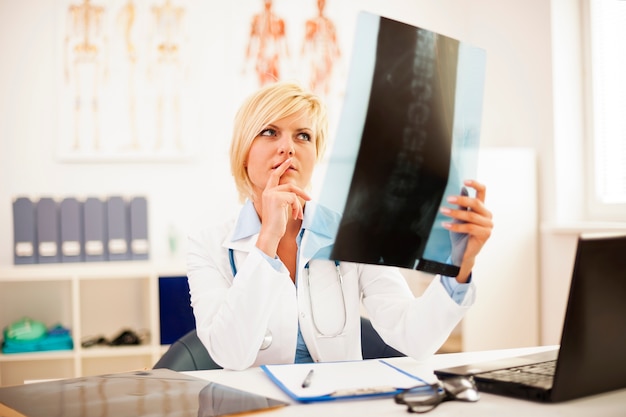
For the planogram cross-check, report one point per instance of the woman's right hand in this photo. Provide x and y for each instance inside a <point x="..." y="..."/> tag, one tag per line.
<point x="280" y="203"/>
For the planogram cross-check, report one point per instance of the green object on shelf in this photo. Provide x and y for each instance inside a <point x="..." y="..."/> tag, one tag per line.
<point x="29" y="335"/>
<point x="25" y="329"/>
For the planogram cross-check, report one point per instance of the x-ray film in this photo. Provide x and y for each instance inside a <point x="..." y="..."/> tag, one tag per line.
<point x="407" y="139"/>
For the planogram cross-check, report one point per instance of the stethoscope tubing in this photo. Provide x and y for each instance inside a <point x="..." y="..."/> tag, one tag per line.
<point x="266" y="342"/>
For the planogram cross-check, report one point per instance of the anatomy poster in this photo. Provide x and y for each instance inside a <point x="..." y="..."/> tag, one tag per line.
<point x="307" y="41"/>
<point x="137" y="78"/>
<point x="124" y="86"/>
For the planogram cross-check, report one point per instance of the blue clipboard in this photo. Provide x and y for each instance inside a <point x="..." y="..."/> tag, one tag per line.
<point x="331" y="381"/>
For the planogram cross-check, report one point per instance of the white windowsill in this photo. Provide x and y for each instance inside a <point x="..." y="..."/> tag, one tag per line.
<point x="567" y="228"/>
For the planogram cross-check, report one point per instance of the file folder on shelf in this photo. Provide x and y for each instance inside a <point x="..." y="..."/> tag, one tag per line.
<point x="327" y="381"/>
<point x="71" y="230"/>
<point x="94" y="230"/>
<point x="47" y="226"/>
<point x="117" y="229"/>
<point x="24" y="235"/>
<point x="139" y="244"/>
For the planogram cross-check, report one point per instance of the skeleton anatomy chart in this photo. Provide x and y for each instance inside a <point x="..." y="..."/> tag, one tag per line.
<point x="125" y="65"/>
<point x="84" y="61"/>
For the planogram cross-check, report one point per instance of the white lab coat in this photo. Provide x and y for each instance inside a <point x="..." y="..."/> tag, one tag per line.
<point x="233" y="316"/>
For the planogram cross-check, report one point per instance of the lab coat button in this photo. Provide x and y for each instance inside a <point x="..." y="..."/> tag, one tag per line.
<point x="267" y="340"/>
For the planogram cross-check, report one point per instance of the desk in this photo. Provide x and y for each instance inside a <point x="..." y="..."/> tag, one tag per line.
<point x="255" y="380"/>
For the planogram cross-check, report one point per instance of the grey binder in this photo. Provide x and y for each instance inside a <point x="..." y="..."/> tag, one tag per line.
<point x="117" y="229"/>
<point x="48" y="233"/>
<point x="94" y="230"/>
<point x="71" y="230"/>
<point x="24" y="249"/>
<point x="139" y="244"/>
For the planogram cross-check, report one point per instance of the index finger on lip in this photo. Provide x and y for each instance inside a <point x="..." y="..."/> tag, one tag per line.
<point x="274" y="178"/>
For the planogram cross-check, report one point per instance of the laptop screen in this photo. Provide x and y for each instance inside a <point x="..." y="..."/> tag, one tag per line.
<point x="593" y="344"/>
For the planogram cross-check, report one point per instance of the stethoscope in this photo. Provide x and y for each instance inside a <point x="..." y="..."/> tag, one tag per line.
<point x="267" y="340"/>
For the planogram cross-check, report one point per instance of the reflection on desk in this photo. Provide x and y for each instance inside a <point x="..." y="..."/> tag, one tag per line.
<point x="158" y="392"/>
<point x="254" y="380"/>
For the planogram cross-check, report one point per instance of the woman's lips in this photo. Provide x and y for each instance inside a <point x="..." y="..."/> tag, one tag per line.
<point x="291" y="167"/>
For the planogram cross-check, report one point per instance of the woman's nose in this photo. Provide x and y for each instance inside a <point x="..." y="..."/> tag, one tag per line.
<point x="286" y="146"/>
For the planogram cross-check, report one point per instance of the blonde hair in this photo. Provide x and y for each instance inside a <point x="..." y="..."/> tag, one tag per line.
<point x="267" y="105"/>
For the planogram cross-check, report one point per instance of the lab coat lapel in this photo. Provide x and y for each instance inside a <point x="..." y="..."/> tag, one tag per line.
<point x="245" y="233"/>
<point x="243" y="236"/>
<point x="244" y="245"/>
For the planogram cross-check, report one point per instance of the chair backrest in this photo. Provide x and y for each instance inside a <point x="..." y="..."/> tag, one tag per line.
<point x="189" y="354"/>
<point x="372" y="345"/>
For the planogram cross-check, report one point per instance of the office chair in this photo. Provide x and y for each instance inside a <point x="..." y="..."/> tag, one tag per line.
<point x="189" y="354"/>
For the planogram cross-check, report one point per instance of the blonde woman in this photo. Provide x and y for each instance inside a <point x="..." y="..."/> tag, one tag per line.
<point x="262" y="288"/>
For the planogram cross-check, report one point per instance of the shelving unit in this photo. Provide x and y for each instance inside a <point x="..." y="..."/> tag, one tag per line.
<point x="91" y="299"/>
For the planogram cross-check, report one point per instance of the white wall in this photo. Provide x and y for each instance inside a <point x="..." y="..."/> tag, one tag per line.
<point x="517" y="108"/>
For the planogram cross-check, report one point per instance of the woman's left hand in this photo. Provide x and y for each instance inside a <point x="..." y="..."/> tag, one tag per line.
<point x="473" y="220"/>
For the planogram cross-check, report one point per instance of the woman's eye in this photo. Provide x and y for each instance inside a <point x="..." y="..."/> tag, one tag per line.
<point x="268" y="132"/>
<point x="304" y="136"/>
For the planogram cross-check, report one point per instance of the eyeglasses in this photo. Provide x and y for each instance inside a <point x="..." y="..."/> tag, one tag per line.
<point x="423" y="399"/>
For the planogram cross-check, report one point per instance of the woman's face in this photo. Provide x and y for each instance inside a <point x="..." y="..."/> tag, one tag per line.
<point x="291" y="137"/>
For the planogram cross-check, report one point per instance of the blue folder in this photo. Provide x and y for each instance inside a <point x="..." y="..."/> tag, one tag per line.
<point x="139" y="243"/>
<point x="71" y="230"/>
<point x="24" y="249"/>
<point x="94" y="230"/>
<point x="48" y="233"/>
<point x="117" y="229"/>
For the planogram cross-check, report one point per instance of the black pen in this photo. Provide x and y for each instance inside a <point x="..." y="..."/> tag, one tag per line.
<point x="307" y="379"/>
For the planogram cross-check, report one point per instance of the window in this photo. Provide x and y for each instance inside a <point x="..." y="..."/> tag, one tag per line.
<point x="607" y="106"/>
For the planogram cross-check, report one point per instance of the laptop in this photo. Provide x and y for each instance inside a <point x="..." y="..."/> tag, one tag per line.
<point x="590" y="359"/>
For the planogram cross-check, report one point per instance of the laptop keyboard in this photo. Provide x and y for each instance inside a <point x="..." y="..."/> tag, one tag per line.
<point x="537" y="374"/>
